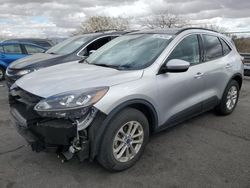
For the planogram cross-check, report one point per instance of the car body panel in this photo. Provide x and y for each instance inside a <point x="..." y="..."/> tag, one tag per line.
<point x="40" y="59"/>
<point x="81" y="76"/>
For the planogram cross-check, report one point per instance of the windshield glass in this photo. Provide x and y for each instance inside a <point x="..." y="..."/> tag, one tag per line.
<point x="68" y="46"/>
<point x="131" y="51"/>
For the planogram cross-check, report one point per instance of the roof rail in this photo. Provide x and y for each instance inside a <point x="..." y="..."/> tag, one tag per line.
<point x="189" y="28"/>
<point x="106" y="30"/>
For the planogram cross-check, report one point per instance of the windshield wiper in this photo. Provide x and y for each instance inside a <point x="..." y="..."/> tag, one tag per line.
<point x="51" y="53"/>
<point x="105" y="65"/>
<point x="124" y="67"/>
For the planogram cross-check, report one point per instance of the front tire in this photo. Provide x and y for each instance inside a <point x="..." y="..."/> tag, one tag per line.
<point x="124" y="140"/>
<point x="229" y="99"/>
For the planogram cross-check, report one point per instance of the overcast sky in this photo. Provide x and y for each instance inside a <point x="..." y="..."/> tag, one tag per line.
<point x="59" y="18"/>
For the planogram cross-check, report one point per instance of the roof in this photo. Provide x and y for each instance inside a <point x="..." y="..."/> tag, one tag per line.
<point x="104" y="33"/>
<point x="9" y="43"/>
<point x="20" y="39"/>
<point x="170" y="31"/>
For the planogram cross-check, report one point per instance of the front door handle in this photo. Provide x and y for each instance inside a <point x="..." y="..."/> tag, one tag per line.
<point x="199" y="75"/>
<point x="228" y="66"/>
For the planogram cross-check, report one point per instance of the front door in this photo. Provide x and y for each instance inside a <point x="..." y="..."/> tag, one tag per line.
<point x="181" y="94"/>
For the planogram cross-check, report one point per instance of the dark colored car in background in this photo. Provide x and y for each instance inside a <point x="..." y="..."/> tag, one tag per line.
<point x="45" y="43"/>
<point x="12" y="51"/>
<point x="72" y="49"/>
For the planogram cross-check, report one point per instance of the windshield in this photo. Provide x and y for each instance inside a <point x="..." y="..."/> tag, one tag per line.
<point x="131" y="51"/>
<point x="68" y="46"/>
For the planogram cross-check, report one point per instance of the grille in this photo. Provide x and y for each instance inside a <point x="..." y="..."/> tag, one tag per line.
<point x="24" y="103"/>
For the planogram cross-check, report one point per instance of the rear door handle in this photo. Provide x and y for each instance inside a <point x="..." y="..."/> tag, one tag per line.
<point x="199" y="75"/>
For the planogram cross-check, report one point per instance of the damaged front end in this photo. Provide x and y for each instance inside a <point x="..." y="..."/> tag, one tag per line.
<point x="59" y="123"/>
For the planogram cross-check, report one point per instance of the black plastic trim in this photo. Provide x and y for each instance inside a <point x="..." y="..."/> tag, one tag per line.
<point x="190" y="112"/>
<point x="101" y="122"/>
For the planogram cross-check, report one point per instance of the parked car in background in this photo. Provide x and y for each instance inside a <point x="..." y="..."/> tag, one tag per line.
<point x="72" y="49"/>
<point x="132" y="87"/>
<point x="45" y="43"/>
<point x="12" y="51"/>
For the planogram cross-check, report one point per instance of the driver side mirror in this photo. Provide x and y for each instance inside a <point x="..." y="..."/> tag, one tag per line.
<point x="176" y="65"/>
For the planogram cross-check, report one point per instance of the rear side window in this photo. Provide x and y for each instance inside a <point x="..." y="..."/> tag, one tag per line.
<point x="226" y="48"/>
<point x="188" y="50"/>
<point x="12" y="49"/>
<point x="33" y="49"/>
<point x="212" y="47"/>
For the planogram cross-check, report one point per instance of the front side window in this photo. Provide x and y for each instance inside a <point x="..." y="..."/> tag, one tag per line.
<point x="212" y="47"/>
<point x="187" y="50"/>
<point x="33" y="49"/>
<point x="131" y="52"/>
<point x="12" y="49"/>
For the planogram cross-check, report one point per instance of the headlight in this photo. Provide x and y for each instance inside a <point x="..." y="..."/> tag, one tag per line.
<point x="72" y="100"/>
<point x="23" y="72"/>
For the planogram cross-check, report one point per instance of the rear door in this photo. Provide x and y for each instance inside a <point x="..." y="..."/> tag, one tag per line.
<point x="11" y="53"/>
<point x="217" y="62"/>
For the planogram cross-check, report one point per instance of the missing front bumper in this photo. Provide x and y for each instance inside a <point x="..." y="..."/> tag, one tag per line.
<point x="51" y="134"/>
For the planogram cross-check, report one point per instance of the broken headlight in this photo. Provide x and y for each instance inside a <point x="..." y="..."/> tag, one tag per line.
<point x="71" y="104"/>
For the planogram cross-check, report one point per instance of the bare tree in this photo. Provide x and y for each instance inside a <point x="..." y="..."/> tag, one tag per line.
<point x="97" y="23"/>
<point x="215" y="27"/>
<point x="164" y="20"/>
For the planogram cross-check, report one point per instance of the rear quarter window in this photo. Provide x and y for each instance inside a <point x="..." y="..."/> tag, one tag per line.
<point x="225" y="47"/>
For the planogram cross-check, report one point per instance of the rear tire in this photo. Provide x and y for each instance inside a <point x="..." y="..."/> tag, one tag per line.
<point x="124" y="140"/>
<point x="229" y="99"/>
<point x="2" y="73"/>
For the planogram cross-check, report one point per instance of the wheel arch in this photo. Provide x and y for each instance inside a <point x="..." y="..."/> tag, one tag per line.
<point x="3" y="64"/>
<point x="97" y="130"/>
<point x="238" y="78"/>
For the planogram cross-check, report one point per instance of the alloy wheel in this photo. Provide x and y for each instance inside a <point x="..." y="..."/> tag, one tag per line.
<point x="232" y="96"/>
<point x="128" y="141"/>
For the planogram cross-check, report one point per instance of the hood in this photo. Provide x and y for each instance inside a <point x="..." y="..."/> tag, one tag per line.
<point x="36" y="60"/>
<point x="73" y="76"/>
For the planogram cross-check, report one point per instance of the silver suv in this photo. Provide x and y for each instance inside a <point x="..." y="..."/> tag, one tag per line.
<point x="138" y="84"/>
